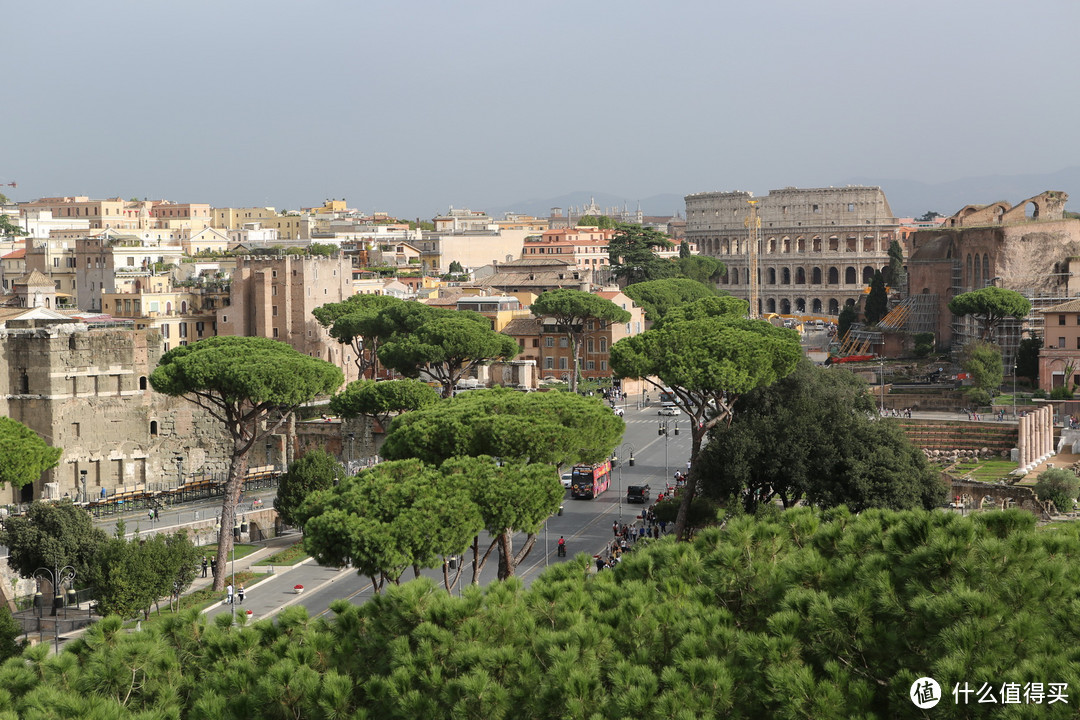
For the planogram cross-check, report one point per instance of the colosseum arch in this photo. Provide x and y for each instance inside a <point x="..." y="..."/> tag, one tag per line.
<point x="800" y="276"/>
<point x="770" y="305"/>
<point x="834" y="306"/>
<point x="785" y="276"/>
<point x="816" y="244"/>
<point x="815" y="306"/>
<point x="868" y="243"/>
<point x="834" y="276"/>
<point x="785" y="307"/>
<point x="867" y="275"/>
<point x="770" y="247"/>
<point x="850" y="276"/>
<point x="800" y="245"/>
<point x="725" y="247"/>
<point x="800" y="305"/>
<point x="834" y="244"/>
<point x="785" y="245"/>
<point x="815" y="276"/>
<point x="770" y="276"/>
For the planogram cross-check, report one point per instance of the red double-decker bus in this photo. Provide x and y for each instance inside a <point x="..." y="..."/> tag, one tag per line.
<point x="588" y="481"/>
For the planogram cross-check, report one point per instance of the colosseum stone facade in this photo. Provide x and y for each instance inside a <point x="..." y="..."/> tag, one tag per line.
<point x="818" y="248"/>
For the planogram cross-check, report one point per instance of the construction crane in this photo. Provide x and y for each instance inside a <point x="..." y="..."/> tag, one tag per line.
<point x="753" y="223"/>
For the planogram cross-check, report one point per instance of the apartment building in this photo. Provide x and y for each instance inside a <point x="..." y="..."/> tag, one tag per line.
<point x="273" y="297"/>
<point x="179" y="314"/>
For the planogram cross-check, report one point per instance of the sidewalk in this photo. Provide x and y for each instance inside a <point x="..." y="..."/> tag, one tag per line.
<point x="270" y="595"/>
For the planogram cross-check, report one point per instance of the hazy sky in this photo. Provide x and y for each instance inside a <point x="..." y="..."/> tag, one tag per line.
<point x="410" y="107"/>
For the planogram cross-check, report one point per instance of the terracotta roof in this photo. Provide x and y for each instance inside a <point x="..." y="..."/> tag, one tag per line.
<point x="1065" y="307"/>
<point x="523" y="326"/>
<point x="35" y="279"/>
<point x="15" y="255"/>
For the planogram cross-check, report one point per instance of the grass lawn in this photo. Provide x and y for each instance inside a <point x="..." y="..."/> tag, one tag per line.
<point x="200" y="599"/>
<point x="990" y="470"/>
<point x="289" y="556"/>
<point x="241" y="550"/>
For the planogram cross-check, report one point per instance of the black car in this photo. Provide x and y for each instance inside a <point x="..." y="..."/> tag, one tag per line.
<point x="637" y="494"/>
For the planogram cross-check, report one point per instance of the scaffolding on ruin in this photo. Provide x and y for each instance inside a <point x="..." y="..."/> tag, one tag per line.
<point x="914" y="314"/>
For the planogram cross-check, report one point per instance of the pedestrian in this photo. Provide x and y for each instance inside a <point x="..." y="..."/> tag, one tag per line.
<point x="599" y="563"/>
<point x="656" y="532"/>
<point x="204" y="566"/>
<point x="687" y="466"/>
<point x="240" y="594"/>
<point x="229" y="594"/>
<point x="213" y="567"/>
<point x="663" y="526"/>
<point x="615" y="528"/>
<point x="150" y="515"/>
<point x="157" y="513"/>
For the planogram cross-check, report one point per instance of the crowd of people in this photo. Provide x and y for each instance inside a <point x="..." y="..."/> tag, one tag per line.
<point x="626" y="536"/>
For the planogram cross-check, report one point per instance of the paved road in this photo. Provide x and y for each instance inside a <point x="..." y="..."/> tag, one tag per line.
<point x="586" y="525"/>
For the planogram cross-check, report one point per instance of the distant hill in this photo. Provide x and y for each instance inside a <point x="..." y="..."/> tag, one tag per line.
<point x="908" y="198"/>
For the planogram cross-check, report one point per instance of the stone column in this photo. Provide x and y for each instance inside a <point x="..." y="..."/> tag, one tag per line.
<point x="1025" y="441"/>
<point x="1050" y="450"/>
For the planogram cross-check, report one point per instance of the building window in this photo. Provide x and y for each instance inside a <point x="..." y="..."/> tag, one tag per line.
<point x="603" y="364"/>
<point x="603" y="345"/>
<point x="153" y="427"/>
<point x="589" y="344"/>
<point x="273" y="310"/>
<point x="549" y="342"/>
<point x="275" y="332"/>
<point x="549" y="363"/>
<point x="1061" y="342"/>
<point x="536" y="341"/>
<point x="562" y="363"/>
<point x="1061" y="319"/>
<point x="564" y="342"/>
<point x="590" y="365"/>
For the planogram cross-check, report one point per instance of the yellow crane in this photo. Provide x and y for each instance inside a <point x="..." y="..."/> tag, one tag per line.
<point x="753" y="223"/>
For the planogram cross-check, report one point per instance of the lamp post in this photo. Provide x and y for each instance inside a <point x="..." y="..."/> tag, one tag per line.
<point x="179" y="470"/>
<point x="881" y="382"/>
<point x="624" y="449"/>
<point x="86" y="498"/>
<point x="1015" y="367"/>
<point x="663" y="430"/>
<point x="57" y="577"/>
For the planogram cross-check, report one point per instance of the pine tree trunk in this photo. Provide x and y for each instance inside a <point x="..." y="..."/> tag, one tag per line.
<point x="233" y="487"/>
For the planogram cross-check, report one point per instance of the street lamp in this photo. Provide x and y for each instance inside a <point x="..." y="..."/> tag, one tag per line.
<point x="86" y="498"/>
<point x="881" y="382"/>
<point x="624" y="449"/>
<point x="663" y="430"/>
<point x="57" y="577"/>
<point x="179" y="470"/>
<point x="1016" y="366"/>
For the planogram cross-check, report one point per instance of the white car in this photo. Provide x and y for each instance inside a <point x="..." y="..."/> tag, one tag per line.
<point x="566" y="478"/>
<point x="669" y="410"/>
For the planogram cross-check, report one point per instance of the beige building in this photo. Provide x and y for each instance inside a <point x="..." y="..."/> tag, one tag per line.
<point x="102" y="261"/>
<point x="176" y="315"/>
<point x="273" y="297"/>
<point x="85" y="389"/>
<point x="817" y="248"/>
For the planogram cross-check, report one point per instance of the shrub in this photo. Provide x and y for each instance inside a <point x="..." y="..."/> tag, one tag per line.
<point x="1061" y="393"/>
<point x="1039" y="393"/>
<point x="1059" y="486"/>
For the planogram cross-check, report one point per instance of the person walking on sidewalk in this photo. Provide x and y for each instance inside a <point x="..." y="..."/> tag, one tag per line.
<point x="229" y="594"/>
<point x="240" y="594"/>
<point x="204" y="566"/>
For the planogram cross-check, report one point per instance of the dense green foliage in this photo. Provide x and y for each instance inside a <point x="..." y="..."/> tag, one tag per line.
<point x="813" y="436"/>
<point x="23" y="454"/>
<point x="455" y="268"/>
<point x="573" y="312"/>
<point x="10" y="228"/>
<point x="990" y="305"/>
<point x="703" y="268"/>
<point x="445" y="347"/>
<point x="51" y="535"/>
<point x="708" y="361"/>
<point x="877" y="301"/>
<point x="631" y="253"/>
<point x="355" y="322"/>
<point x="597" y="221"/>
<point x="658" y="297"/>
<point x="381" y="400"/>
<point x="923" y="344"/>
<point x="10" y="630"/>
<point x="848" y="315"/>
<point x="252" y="386"/>
<point x="897" y="275"/>
<point x="807" y="614"/>
<point x="316" y="470"/>
<point x="982" y="361"/>
<point x="1027" y="358"/>
<point x="129" y="576"/>
<point x="1058" y="485"/>
<point x="553" y="427"/>
<point x="393" y="516"/>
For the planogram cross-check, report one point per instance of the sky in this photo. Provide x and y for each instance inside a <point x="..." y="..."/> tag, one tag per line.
<point x="413" y="106"/>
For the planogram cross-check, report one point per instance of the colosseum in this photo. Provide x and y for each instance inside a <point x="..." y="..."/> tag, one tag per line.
<point x="818" y="248"/>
